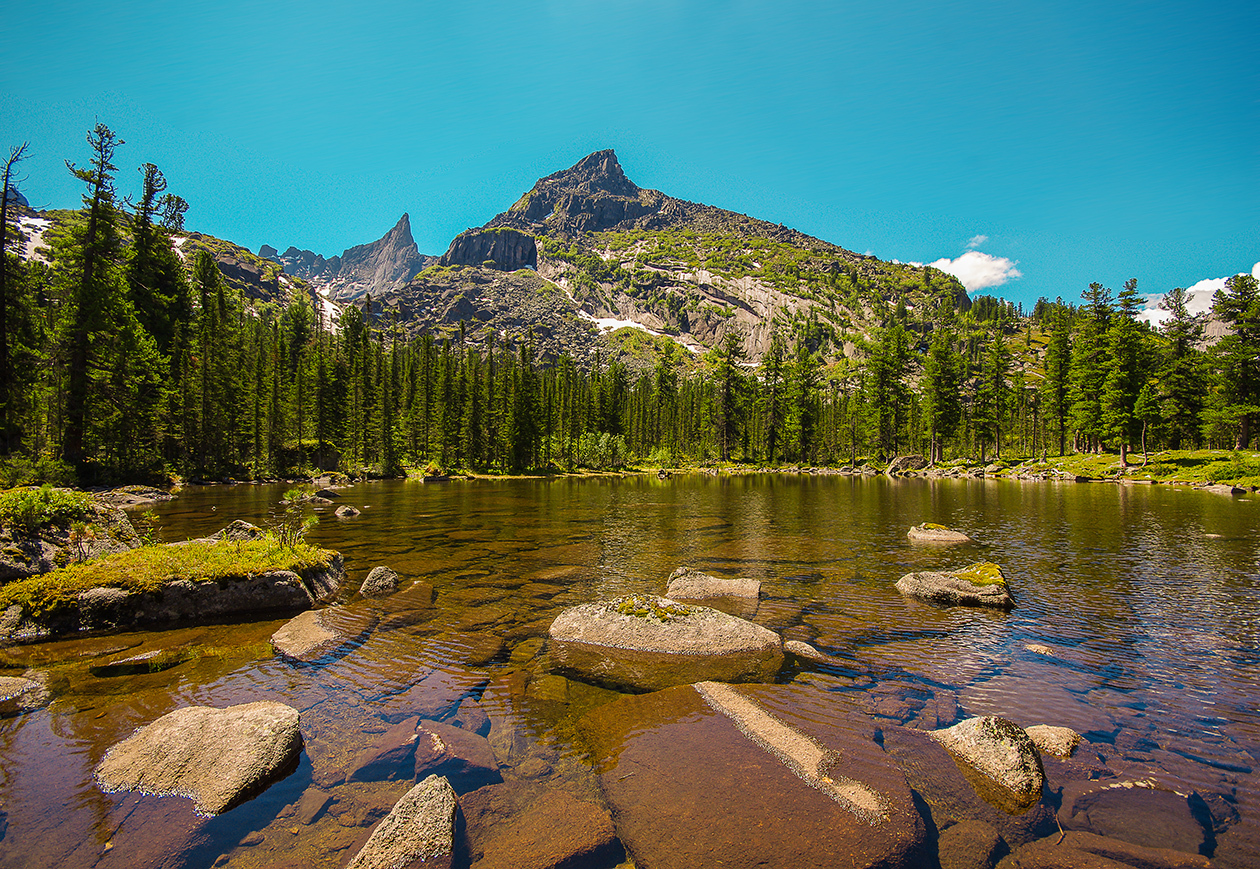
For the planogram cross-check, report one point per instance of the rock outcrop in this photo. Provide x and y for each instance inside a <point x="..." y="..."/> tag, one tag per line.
<point x="499" y="247"/>
<point x="419" y="830"/>
<point x="982" y="584"/>
<point x="216" y="757"/>
<point x="644" y="643"/>
<point x="1001" y="751"/>
<point x="28" y="552"/>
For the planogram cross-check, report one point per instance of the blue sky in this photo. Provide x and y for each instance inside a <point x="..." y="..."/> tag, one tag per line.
<point x="1068" y="142"/>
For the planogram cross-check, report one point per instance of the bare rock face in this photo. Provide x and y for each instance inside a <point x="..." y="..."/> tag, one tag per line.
<point x="1002" y="752"/>
<point x="930" y="532"/>
<point x="499" y="247"/>
<point x="1059" y="741"/>
<point x="18" y="695"/>
<point x="419" y="830"/>
<point x="981" y="584"/>
<point x="645" y="643"/>
<point x="519" y="825"/>
<point x="216" y="757"/>
<point x="381" y="582"/>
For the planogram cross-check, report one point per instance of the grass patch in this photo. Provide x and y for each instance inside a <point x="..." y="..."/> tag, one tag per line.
<point x="148" y="568"/>
<point x="982" y="573"/>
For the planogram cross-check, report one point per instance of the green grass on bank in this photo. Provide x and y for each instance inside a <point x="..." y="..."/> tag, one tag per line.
<point x="1233" y="467"/>
<point x="150" y="567"/>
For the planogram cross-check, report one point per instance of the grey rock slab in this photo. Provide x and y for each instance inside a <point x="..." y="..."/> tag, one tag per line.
<point x="216" y="757"/>
<point x="686" y="583"/>
<point x="1001" y="751"/>
<point x="19" y="694"/>
<point x="956" y="588"/>
<point x="309" y="635"/>
<point x="930" y="533"/>
<point x="644" y="643"/>
<point x="419" y="830"/>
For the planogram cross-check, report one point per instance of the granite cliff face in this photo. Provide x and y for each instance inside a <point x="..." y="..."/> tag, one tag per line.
<point x="373" y="268"/>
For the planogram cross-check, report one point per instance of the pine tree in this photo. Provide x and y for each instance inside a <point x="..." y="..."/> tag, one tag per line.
<point x="942" y="392"/>
<point x="1236" y="399"/>
<point x="1056" y="387"/>
<point x="772" y="395"/>
<point x="1125" y="371"/>
<point x="1183" y="376"/>
<point x="1088" y="372"/>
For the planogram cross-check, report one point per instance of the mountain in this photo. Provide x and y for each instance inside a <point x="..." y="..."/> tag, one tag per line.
<point x="586" y="248"/>
<point x="385" y="264"/>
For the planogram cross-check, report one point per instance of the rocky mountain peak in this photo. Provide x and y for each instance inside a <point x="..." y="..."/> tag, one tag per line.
<point x="592" y="195"/>
<point x="595" y="173"/>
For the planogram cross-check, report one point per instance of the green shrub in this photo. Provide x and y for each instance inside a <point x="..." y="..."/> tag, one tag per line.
<point x="30" y="509"/>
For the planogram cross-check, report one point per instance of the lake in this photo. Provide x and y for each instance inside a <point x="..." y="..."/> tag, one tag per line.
<point x="1137" y="623"/>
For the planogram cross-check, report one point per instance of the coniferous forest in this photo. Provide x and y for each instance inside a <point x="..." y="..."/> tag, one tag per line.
<point x="123" y="360"/>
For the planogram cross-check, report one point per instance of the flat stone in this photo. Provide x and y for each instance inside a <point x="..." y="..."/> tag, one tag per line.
<point x="806" y="652"/>
<point x="216" y="757"/>
<point x="644" y="643"/>
<point x="930" y="533"/>
<point x="956" y="588"/>
<point x="419" y="829"/>
<point x="1077" y="850"/>
<point x="750" y="775"/>
<point x="1059" y="741"/>
<point x="18" y="695"/>
<point x="520" y="825"/>
<point x="381" y="582"/>
<point x="1001" y="751"/>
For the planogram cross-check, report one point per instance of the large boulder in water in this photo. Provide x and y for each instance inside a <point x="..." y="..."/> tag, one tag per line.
<point x="980" y="584"/>
<point x="645" y="643"/>
<point x="751" y="775"/>
<point x="1002" y="752"/>
<point x="18" y="695"/>
<point x="216" y="757"/>
<point x="906" y="465"/>
<point x="686" y="583"/>
<point x="419" y="830"/>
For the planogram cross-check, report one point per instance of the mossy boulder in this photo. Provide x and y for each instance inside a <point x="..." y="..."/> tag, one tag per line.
<point x="981" y="584"/>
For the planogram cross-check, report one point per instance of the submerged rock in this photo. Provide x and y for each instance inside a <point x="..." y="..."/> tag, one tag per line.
<point x="1138" y="812"/>
<point x="980" y="584"/>
<point x="465" y="759"/>
<point x="420" y="829"/>
<point x="750" y="775"/>
<point x="1001" y="751"/>
<point x="519" y="825"/>
<point x="1088" y="851"/>
<point x="18" y="695"/>
<point x="930" y="532"/>
<point x="644" y="643"/>
<point x="216" y="757"/>
<point x="345" y="511"/>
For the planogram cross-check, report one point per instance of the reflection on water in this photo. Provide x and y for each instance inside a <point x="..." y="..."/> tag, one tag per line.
<point x="1133" y="625"/>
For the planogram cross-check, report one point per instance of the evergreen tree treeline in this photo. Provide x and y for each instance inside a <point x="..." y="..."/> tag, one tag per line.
<point x="118" y="360"/>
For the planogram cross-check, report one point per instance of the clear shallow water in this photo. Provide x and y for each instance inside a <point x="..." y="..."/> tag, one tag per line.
<point x="1146" y="599"/>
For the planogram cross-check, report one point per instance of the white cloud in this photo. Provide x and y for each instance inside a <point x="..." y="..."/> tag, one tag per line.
<point x="1200" y="298"/>
<point x="976" y="241"/>
<point x="979" y="271"/>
